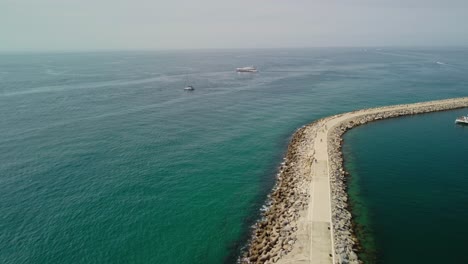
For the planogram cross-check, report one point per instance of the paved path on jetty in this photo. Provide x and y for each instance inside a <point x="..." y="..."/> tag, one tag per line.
<point x="314" y="243"/>
<point x="314" y="240"/>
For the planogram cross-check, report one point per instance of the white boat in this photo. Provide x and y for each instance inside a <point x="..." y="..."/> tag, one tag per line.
<point x="187" y="86"/>
<point x="462" y="120"/>
<point x="247" y="69"/>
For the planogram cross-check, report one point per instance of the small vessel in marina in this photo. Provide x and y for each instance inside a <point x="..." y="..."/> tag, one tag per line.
<point x="462" y="120"/>
<point x="247" y="69"/>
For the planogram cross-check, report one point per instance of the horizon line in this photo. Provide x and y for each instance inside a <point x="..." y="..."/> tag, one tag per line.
<point x="98" y="50"/>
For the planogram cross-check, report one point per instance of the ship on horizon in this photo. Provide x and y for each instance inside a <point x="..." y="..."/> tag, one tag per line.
<point x="247" y="69"/>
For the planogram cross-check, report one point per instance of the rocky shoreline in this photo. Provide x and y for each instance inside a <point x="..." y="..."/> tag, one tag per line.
<point x="275" y="234"/>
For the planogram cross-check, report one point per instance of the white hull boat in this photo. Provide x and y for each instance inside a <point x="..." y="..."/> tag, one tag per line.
<point x="462" y="120"/>
<point x="247" y="69"/>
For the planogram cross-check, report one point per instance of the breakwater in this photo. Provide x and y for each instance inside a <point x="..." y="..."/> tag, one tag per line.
<point x="292" y="229"/>
<point x="275" y="233"/>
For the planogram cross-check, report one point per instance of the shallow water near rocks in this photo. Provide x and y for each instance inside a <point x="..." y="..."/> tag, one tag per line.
<point x="106" y="159"/>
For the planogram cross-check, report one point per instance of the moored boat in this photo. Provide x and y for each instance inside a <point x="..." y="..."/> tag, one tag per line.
<point x="462" y="120"/>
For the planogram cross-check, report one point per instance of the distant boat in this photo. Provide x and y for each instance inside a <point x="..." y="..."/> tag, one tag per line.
<point x="462" y="120"/>
<point x="188" y="87"/>
<point x="247" y="69"/>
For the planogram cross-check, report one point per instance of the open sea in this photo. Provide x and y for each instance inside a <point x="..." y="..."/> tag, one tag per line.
<point x="104" y="158"/>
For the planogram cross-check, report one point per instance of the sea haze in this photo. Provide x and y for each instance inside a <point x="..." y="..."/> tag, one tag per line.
<point x="106" y="159"/>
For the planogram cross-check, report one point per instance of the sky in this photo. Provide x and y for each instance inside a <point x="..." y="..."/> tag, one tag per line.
<point x="69" y="25"/>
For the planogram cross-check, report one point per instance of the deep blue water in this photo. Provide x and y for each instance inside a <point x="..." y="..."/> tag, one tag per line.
<point x="105" y="159"/>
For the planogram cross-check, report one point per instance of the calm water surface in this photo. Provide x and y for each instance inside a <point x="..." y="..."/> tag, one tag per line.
<point x="105" y="159"/>
<point x="409" y="188"/>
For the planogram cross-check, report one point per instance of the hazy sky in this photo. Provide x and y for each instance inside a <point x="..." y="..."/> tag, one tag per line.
<point x="174" y="24"/>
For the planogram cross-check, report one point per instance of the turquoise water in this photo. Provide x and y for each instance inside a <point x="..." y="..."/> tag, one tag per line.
<point x="409" y="175"/>
<point x="105" y="159"/>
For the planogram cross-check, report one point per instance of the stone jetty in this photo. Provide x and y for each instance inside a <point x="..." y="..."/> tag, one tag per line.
<point x="306" y="217"/>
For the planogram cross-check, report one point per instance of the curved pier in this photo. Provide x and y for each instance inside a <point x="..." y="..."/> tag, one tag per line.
<point x="307" y="220"/>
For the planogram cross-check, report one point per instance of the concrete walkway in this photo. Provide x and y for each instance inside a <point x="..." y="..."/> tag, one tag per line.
<point x="314" y="240"/>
